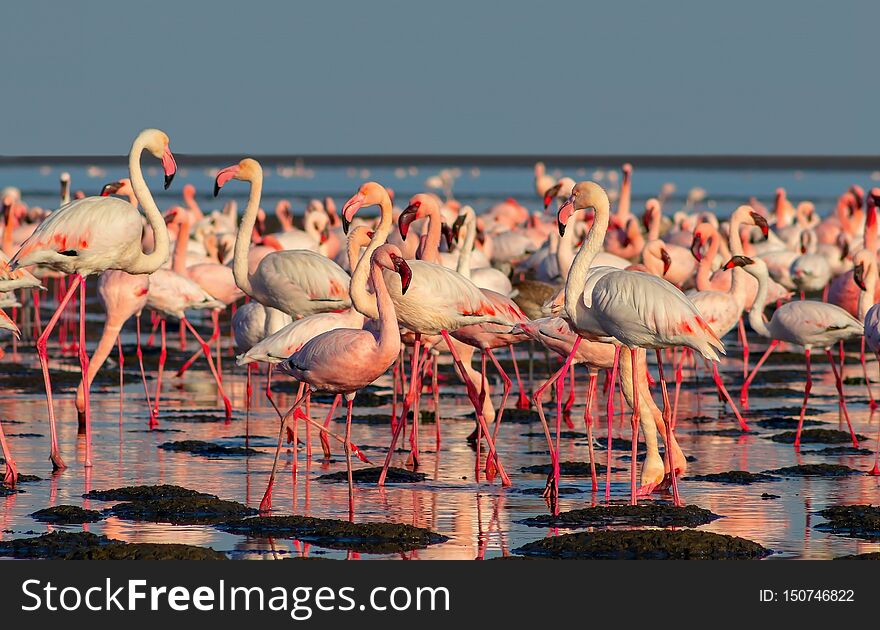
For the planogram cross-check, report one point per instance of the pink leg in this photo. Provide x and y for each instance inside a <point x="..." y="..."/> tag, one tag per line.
<point x="723" y="391"/>
<point x="635" y="427"/>
<point x="842" y="398"/>
<point x="809" y="386"/>
<point x="744" y="339"/>
<point x="569" y="401"/>
<point x="523" y="401"/>
<point x="436" y="394"/>
<point x="248" y="391"/>
<point x="873" y="402"/>
<point x="673" y="476"/>
<point x="744" y="395"/>
<point x="266" y="503"/>
<point x="610" y="412"/>
<point x="207" y="351"/>
<point x="413" y="382"/>
<point x="472" y="394"/>
<point x="163" y="355"/>
<point x="350" y="399"/>
<point x="588" y="422"/>
<point x="84" y="366"/>
<point x="11" y="475"/>
<point x="182" y="335"/>
<point x="269" y="391"/>
<point x="325" y="443"/>
<point x="507" y="384"/>
<point x="154" y="320"/>
<point x="678" y="378"/>
<point x="140" y="358"/>
<point x="55" y="456"/>
<point x="38" y="320"/>
<point x="121" y="384"/>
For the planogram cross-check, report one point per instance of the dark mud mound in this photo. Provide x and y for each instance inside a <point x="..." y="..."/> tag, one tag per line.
<point x="563" y="490"/>
<point x="874" y="555"/>
<point x="814" y="470"/>
<point x="739" y="477"/>
<point x="207" y="449"/>
<point x="371" y="475"/>
<point x="732" y="432"/>
<point x="790" y="410"/>
<point x="364" y="398"/>
<point x="25" y="435"/>
<point x="816" y="436"/>
<point x="368" y="418"/>
<point x="198" y="418"/>
<point x="564" y="435"/>
<point x="784" y="422"/>
<point x="336" y="534"/>
<point x="567" y="469"/>
<point x="839" y="450"/>
<point x="51" y="545"/>
<point x="859" y="521"/>
<point x="28" y="478"/>
<point x="651" y="514"/>
<point x="197" y="510"/>
<point x="66" y="515"/>
<point x="6" y="491"/>
<point x="766" y="496"/>
<point x="646" y="545"/>
<point x="145" y="551"/>
<point x="762" y="393"/>
<point x="143" y="493"/>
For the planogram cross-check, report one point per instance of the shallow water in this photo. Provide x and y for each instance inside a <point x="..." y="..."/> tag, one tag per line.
<point x="481" y="519"/>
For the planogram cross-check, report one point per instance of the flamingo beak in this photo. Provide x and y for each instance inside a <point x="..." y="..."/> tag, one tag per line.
<point x="738" y="261"/>
<point x="549" y="194"/>
<point x="448" y="236"/>
<point x="565" y="211"/>
<point x="646" y="218"/>
<point x="325" y="234"/>
<point x="170" y="216"/>
<point x="350" y="208"/>
<point x="224" y="176"/>
<point x="406" y="217"/>
<point x="169" y="166"/>
<point x="110" y="189"/>
<point x="7" y="324"/>
<point x="405" y="272"/>
<point x="761" y="222"/>
<point x="696" y="245"/>
<point x="456" y="228"/>
<point x="859" y="276"/>
<point x="667" y="260"/>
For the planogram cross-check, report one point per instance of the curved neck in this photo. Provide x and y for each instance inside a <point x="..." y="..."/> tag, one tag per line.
<point x="565" y="247"/>
<point x="245" y="233"/>
<point x="178" y="261"/>
<point x="389" y="330"/>
<point x="464" y="256"/>
<point x="623" y="204"/>
<point x="704" y="268"/>
<point x="147" y="263"/>
<point x="580" y="267"/>
<point x="361" y="298"/>
<point x="431" y="250"/>
<point x="756" y="315"/>
<point x="654" y="229"/>
<point x="866" y="297"/>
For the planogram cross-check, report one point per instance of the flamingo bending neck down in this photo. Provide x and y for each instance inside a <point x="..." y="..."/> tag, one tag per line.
<point x="89" y="236"/>
<point x="344" y="360"/>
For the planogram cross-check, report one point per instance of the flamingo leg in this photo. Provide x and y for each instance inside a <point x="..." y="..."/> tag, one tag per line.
<point x="38" y="320"/>
<point x="809" y="386"/>
<point x="873" y="402"/>
<point x="266" y="503"/>
<point x="182" y="335"/>
<point x="11" y="474"/>
<point x="507" y="386"/>
<point x="472" y="394"/>
<point x="670" y="426"/>
<point x="876" y="469"/>
<point x="350" y="401"/>
<point x="394" y="370"/>
<point x="436" y="394"/>
<point x="163" y="355"/>
<point x="405" y="409"/>
<point x="523" y="401"/>
<point x="744" y="394"/>
<point x="569" y="401"/>
<point x="679" y="367"/>
<point x="248" y="391"/>
<point x="635" y="427"/>
<point x="55" y="456"/>
<point x="610" y="412"/>
<point x="719" y="384"/>
<point x="588" y="422"/>
<point x="140" y="357"/>
<point x="414" y="456"/>
<point x="841" y="397"/>
<point x="121" y="384"/>
<point x="325" y="443"/>
<point x="269" y="391"/>
<point x="154" y="320"/>
<point x="84" y="366"/>
<point x="537" y="398"/>
<point x="207" y="350"/>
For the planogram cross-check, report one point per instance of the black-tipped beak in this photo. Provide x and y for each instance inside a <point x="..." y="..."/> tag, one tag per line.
<point x="216" y="188"/>
<point x="738" y="261"/>
<point x="447" y="235"/>
<point x="696" y="245"/>
<point x="346" y="224"/>
<point x="168" y="180"/>
<point x="761" y="222"/>
<point x="667" y="260"/>
<point x="456" y="228"/>
<point x="405" y="219"/>
<point x="859" y="276"/>
<point x="405" y="272"/>
<point x="550" y="193"/>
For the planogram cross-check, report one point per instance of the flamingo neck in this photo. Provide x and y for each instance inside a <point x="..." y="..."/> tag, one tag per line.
<point x="102" y="351"/>
<point x="565" y="248"/>
<point x="580" y="267"/>
<point x="389" y="329"/>
<point x="464" y="258"/>
<point x="654" y="230"/>
<point x="431" y="250"/>
<point x="623" y="204"/>
<point x="178" y="260"/>
<point x="866" y="297"/>
<point x="245" y="233"/>
<point x="147" y="263"/>
<point x="361" y="298"/>
<point x="756" y="315"/>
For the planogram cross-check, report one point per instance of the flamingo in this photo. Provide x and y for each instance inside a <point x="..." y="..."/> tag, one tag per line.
<point x="805" y="323"/>
<point x="867" y="279"/>
<point x="627" y="308"/>
<point x="439" y="301"/>
<point x="92" y="235"/>
<point x="344" y="360"/>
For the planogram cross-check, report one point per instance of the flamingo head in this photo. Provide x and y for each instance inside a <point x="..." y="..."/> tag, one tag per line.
<point x="7" y="324"/>
<point x="389" y="257"/>
<point x="370" y="194"/>
<point x="859" y="276"/>
<point x="157" y="144"/>
<point x="248" y="170"/>
<point x="409" y="214"/>
<point x="667" y="260"/>
<point x="651" y="206"/>
<point x="627" y="169"/>
<point x="550" y="193"/>
<point x="697" y="245"/>
<point x="583" y="196"/>
<point x="738" y="261"/>
<point x="456" y="228"/>
<point x="859" y="194"/>
<point x="761" y="222"/>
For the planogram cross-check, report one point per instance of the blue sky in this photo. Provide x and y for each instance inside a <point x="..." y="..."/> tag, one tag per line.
<point x="450" y="76"/>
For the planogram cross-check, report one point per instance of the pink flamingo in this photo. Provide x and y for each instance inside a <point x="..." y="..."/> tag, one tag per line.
<point x="344" y="360"/>
<point x="89" y="236"/>
<point x="627" y="308"/>
<point x="805" y="323"/>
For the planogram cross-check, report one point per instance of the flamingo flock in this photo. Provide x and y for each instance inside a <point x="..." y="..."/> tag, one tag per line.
<point x="352" y="299"/>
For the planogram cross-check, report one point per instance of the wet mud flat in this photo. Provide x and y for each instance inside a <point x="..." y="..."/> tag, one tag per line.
<point x="859" y="521"/>
<point x="650" y="514"/>
<point x="371" y="475"/>
<point x="63" y="545"/>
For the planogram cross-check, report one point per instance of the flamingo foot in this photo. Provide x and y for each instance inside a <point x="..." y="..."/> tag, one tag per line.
<point x="875" y="471"/>
<point x="358" y="453"/>
<point x="11" y="475"/>
<point x="522" y="402"/>
<point x="874" y="405"/>
<point x="325" y="445"/>
<point x="57" y="462"/>
<point x="647" y="489"/>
